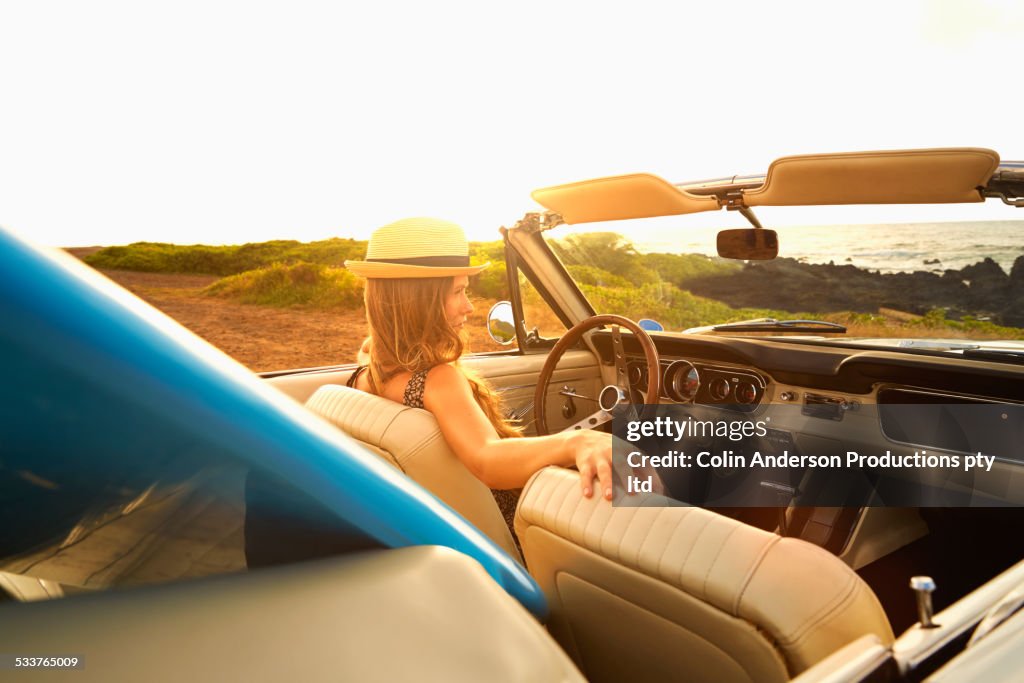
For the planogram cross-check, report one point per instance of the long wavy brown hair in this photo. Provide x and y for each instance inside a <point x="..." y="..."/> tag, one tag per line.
<point x="410" y="332"/>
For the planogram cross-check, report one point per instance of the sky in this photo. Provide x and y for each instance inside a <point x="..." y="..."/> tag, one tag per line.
<point x="227" y="122"/>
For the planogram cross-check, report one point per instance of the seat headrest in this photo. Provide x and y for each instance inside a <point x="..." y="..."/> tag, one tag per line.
<point x="400" y="430"/>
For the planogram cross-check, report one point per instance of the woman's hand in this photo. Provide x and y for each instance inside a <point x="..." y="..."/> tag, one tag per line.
<point x="593" y="455"/>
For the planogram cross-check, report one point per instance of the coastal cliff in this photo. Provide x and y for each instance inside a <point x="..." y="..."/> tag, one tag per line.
<point x="982" y="290"/>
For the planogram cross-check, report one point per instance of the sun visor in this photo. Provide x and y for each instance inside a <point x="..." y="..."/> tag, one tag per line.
<point x="923" y="176"/>
<point x="640" y="195"/>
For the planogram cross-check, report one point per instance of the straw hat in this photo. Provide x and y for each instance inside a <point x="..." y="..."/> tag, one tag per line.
<point x="416" y="247"/>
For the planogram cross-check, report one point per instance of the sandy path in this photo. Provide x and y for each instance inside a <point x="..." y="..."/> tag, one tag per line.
<point x="261" y="337"/>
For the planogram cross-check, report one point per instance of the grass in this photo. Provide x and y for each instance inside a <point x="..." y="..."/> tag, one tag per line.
<point x="297" y="284"/>
<point x="968" y="326"/>
<point x="609" y="270"/>
<point x="158" y="257"/>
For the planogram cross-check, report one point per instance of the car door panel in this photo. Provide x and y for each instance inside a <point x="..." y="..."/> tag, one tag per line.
<point x="514" y="376"/>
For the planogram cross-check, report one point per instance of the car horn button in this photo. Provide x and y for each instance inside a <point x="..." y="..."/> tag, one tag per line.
<point x="610" y="397"/>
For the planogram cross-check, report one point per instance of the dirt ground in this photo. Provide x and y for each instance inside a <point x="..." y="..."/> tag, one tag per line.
<point x="261" y="337"/>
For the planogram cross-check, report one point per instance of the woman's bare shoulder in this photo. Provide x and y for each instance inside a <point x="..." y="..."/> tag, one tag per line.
<point x="445" y="383"/>
<point x="445" y="374"/>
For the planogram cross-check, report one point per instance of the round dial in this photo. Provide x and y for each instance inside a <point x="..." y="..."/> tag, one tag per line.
<point x="682" y="381"/>
<point x="719" y="389"/>
<point x="746" y="393"/>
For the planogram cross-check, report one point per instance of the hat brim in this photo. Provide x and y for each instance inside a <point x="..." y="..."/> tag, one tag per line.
<point x="377" y="269"/>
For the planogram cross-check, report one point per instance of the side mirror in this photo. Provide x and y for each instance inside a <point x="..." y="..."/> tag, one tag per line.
<point x="501" y="323"/>
<point x="755" y="244"/>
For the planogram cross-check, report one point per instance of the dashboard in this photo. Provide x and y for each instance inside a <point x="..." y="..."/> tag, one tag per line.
<point x="846" y="370"/>
<point x="829" y="400"/>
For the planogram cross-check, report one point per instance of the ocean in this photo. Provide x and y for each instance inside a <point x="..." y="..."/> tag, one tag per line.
<point x="888" y="248"/>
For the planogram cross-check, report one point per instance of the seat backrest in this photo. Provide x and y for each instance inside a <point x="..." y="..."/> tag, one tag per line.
<point x="667" y="593"/>
<point x="410" y="439"/>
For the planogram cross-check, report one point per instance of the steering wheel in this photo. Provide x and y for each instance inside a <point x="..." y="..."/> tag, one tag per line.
<point x="613" y="394"/>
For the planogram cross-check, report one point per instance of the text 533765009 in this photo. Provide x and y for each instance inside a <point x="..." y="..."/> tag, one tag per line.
<point x="18" y="661"/>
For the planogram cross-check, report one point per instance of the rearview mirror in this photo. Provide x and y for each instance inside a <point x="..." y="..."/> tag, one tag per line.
<point x="755" y="244"/>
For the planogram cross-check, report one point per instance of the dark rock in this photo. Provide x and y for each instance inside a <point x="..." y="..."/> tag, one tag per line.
<point x="985" y="274"/>
<point x="819" y="288"/>
<point x="1017" y="274"/>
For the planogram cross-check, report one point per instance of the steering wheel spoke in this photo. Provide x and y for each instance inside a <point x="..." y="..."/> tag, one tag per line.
<point x="619" y="355"/>
<point x="594" y="420"/>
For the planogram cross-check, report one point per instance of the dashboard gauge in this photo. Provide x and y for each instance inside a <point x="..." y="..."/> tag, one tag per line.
<point x="746" y="393"/>
<point x="638" y="375"/>
<point x="682" y="381"/>
<point x="719" y="389"/>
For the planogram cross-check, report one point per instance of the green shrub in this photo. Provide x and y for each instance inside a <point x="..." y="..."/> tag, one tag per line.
<point x="674" y="308"/>
<point x="482" y="252"/>
<point x="159" y="257"/>
<point x="607" y="251"/>
<point x="614" y="254"/>
<point x="490" y="283"/>
<point x="678" y="268"/>
<point x="935" y="319"/>
<point x="592" y="275"/>
<point x="296" y="284"/>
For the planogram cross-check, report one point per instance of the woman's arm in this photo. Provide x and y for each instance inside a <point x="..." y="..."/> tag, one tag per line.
<point x="509" y="463"/>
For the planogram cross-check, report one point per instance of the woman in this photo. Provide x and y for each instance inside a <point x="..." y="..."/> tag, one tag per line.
<point x="417" y="304"/>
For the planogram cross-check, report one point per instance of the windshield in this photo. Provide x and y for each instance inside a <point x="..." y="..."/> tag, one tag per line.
<point x="924" y="279"/>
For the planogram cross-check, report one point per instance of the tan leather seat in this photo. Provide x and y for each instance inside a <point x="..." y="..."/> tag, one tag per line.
<point x="410" y="439"/>
<point x="681" y="593"/>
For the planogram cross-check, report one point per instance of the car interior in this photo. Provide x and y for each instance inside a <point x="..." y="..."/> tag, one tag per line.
<point x="843" y="572"/>
<point x="672" y="588"/>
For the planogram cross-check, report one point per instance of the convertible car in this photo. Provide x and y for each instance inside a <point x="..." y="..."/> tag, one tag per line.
<point x="169" y="514"/>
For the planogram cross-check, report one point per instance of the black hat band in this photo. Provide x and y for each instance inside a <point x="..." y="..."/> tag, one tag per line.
<point x="435" y="261"/>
